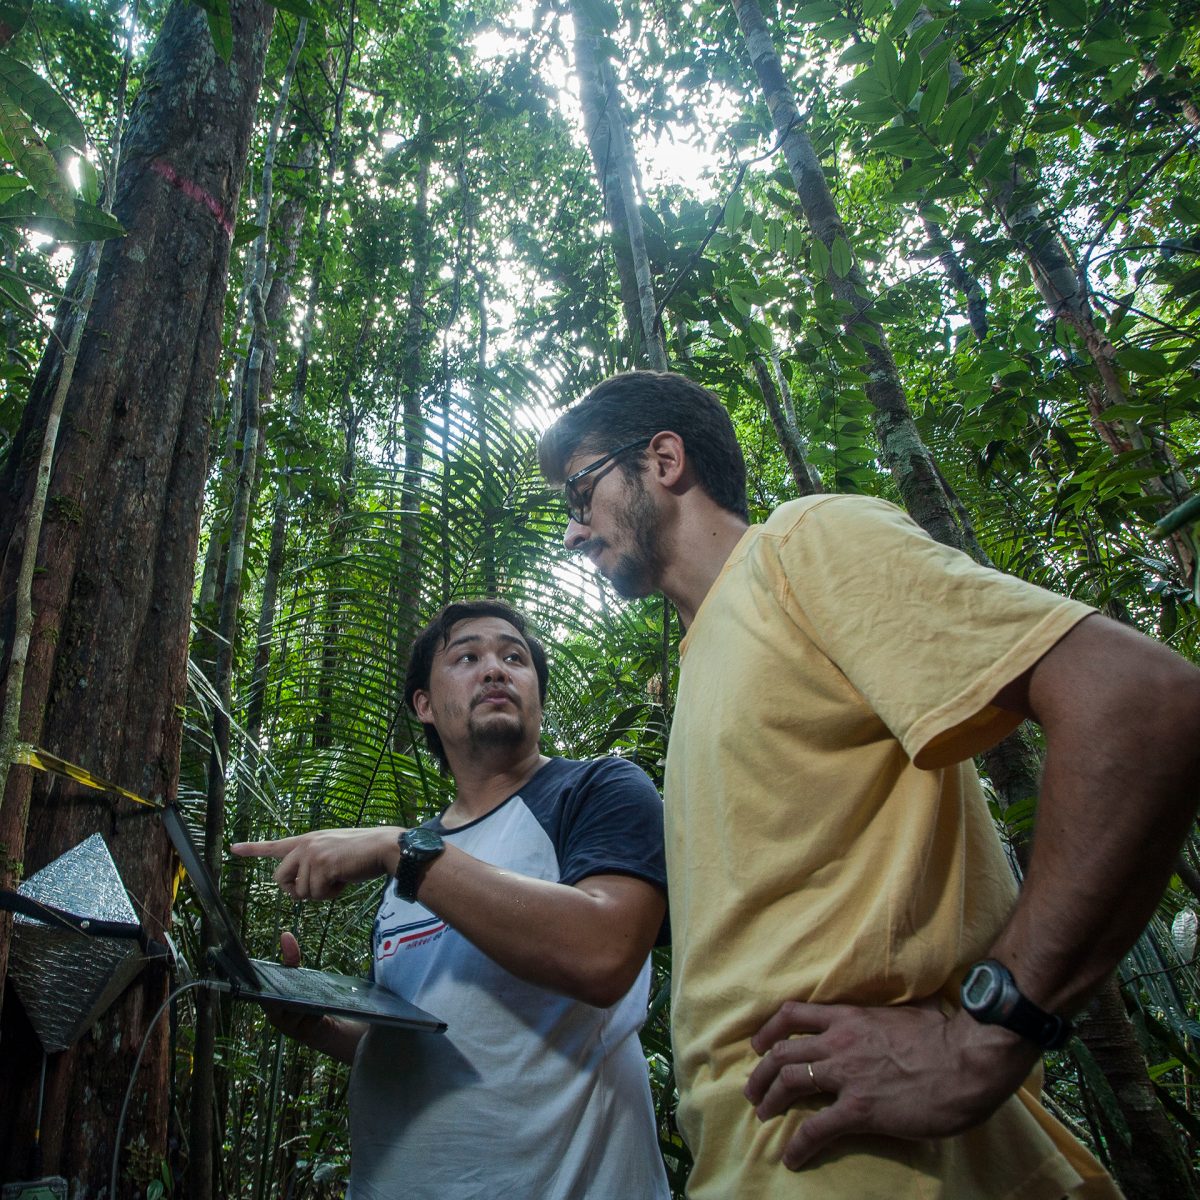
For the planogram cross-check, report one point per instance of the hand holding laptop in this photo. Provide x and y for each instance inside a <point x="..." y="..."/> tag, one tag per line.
<point x="335" y="1036"/>
<point x="321" y="864"/>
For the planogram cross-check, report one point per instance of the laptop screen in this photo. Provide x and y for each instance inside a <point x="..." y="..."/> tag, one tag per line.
<point x="234" y="957"/>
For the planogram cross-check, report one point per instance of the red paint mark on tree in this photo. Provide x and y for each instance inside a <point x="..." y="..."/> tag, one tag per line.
<point x="195" y="192"/>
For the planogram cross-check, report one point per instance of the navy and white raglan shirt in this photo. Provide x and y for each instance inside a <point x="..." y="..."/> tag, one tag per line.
<point x="528" y="1095"/>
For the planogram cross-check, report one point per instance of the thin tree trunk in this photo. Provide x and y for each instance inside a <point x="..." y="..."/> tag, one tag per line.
<point x="600" y="122"/>
<point x="900" y="443"/>
<point x="489" y="487"/>
<point x="1063" y="286"/>
<point x="107" y="666"/>
<point x="960" y="278"/>
<point x="613" y="158"/>
<point x="806" y="479"/>
<point x="407" y="585"/>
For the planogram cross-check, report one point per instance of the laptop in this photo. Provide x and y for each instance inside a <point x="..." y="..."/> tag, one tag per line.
<point x="300" y="988"/>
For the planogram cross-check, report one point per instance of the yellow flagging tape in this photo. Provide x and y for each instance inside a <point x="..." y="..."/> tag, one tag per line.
<point x="43" y="760"/>
<point x="34" y="756"/>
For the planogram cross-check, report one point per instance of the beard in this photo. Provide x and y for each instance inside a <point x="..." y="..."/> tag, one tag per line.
<point x="637" y="571"/>
<point x="497" y="729"/>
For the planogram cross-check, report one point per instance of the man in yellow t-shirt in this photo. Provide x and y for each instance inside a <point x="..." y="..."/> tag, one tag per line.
<point x="859" y="995"/>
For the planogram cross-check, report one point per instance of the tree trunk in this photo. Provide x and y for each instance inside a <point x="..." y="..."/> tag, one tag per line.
<point x="107" y="668"/>
<point x="807" y="481"/>
<point x="900" y="443"/>
<point x="1063" y="285"/>
<point x="612" y="156"/>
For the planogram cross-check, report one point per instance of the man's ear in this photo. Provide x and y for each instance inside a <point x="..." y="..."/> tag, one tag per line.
<point x="421" y="706"/>
<point x="669" y="458"/>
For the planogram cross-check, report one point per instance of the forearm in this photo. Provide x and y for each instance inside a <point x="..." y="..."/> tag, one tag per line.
<point x="585" y="944"/>
<point x="1119" y="791"/>
<point x="334" y="1036"/>
<point x="588" y="940"/>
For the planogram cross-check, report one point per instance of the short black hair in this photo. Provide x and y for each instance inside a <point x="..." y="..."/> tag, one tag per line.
<point x="436" y="634"/>
<point x="639" y="404"/>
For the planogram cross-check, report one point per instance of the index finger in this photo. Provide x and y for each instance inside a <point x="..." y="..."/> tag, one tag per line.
<point x="280" y="848"/>
<point x="793" y="1016"/>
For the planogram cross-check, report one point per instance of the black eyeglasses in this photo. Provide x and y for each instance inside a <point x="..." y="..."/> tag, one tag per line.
<point x="579" y="506"/>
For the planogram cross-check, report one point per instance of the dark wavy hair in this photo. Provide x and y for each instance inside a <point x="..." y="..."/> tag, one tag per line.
<point x="436" y="634"/>
<point x="639" y="404"/>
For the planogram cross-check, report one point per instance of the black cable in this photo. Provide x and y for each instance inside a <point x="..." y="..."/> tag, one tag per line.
<point x="195" y="983"/>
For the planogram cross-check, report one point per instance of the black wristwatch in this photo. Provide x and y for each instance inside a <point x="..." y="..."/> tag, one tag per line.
<point x="991" y="996"/>
<point x="418" y="847"/>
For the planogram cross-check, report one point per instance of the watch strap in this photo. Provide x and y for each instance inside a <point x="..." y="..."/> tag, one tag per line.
<point x="1013" y="1010"/>
<point x="413" y="861"/>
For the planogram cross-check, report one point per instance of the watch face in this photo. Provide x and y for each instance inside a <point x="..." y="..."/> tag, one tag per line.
<point x="422" y="841"/>
<point x="981" y="988"/>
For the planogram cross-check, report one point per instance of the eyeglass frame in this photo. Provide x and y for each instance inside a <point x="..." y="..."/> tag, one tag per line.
<point x="580" y="509"/>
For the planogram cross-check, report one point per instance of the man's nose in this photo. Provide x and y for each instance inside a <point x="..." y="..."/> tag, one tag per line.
<point x="575" y="534"/>
<point x="494" y="667"/>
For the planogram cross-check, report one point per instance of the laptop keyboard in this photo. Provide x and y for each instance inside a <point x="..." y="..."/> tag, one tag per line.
<point x="317" y="986"/>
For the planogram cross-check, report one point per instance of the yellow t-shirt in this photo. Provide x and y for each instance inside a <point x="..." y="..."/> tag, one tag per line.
<point x="826" y="842"/>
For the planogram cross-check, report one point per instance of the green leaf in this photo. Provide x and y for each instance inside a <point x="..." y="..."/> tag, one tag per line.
<point x="760" y="335"/>
<point x="735" y="212"/>
<point x="1177" y="518"/>
<point x="245" y="233"/>
<point x="793" y="242"/>
<point x="837" y="29"/>
<point x="911" y="184"/>
<point x="1121" y="81"/>
<point x="88" y="223"/>
<point x="887" y="63"/>
<point x="819" y="257"/>
<point x="13" y="286"/>
<point x="1054" y="122"/>
<point x="89" y="181"/>
<point x="901" y="141"/>
<point x="953" y="121"/>
<point x="40" y="102"/>
<point x="902" y="17"/>
<point x="978" y="10"/>
<point x="1068" y="14"/>
<point x="220" y="26"/>
<point x="1108" y="52"/>
<point x="859" y="52"/>
<point x="938" y="56"/>
<point x="1026" y="81"/>
<point x="991" y="157"/>
<point x="758" y="230"/>
<point x="1143" y="362"/>
<point x="919" y="39"/>
<point x="909" y="78"/>
<point x="842" y="257"/>
<point x="874" y="112"/>
<point x="1169" y="52"/>
<point x="33" y="159"/>
<point x="13" y="15"/>
<point x="934" y="100"/>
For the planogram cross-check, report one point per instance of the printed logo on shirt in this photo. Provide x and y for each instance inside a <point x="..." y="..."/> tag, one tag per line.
<point x="407" y="936"/>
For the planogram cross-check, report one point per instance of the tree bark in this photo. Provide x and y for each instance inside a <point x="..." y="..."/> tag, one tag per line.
<point x="807" y="481"/>
<point x="613" y="158"/>
<point x="1063" y="285"/>
<point x="900" y="443"/>
<point x="107" y="669"/>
